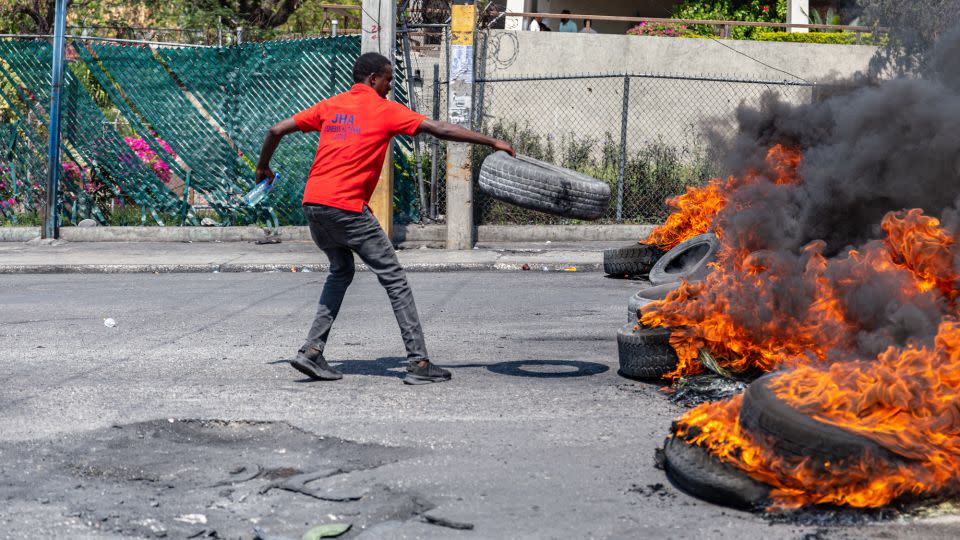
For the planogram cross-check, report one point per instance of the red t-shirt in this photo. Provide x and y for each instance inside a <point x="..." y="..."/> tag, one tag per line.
<point x="355" y="128"/>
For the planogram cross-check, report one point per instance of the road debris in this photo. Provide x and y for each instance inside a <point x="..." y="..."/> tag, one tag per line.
<point x="109" y="323"/>
<point x="327" y="530"/>
<point x="192" y="519"/>
<point x="449" y="523"/>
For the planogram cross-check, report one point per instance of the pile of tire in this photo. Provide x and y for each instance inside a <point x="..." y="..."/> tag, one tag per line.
<point x="785" y="431"/>
<point x="631" y="260"/>
<point x="645" y="352"/>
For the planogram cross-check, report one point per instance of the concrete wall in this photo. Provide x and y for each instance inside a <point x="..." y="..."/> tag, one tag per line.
<point x="672" y="111"/>
<point x="535" y="53"/>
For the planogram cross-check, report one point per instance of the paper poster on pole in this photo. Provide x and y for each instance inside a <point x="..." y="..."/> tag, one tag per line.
<point x="460" y="109"/>
<point x="461" y="63"/>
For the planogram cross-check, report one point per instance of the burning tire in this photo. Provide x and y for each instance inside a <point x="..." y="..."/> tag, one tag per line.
<point x="688" y="261"/>
<point x="792" y="433"/>
<point x="693" y="470"/>
<point x="645" y="353"/>
<point x="645" y="296"/>
<point x="631" y="260"/>
<point x="533" y="184"/>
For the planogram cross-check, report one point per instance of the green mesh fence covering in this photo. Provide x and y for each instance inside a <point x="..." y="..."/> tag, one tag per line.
<point x="98" y="164"/>
<point x="171" y="132"/>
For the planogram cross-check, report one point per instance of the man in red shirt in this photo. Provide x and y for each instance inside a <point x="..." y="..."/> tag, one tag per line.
<point x="355" y="130"/>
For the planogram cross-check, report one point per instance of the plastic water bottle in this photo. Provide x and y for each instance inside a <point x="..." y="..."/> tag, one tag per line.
<point x="259" y="192"/>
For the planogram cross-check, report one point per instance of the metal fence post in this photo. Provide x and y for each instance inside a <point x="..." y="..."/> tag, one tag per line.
<point x="480" y="72"/>
<point x="51" y="228"/>
<point x="435" y="151"/>
<point x="625" y="108"/>
<point x="186" y="199"/>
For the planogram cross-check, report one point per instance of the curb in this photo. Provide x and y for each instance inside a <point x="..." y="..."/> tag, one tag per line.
<point x="289" y="268"/>
<point x="413" y="234"/>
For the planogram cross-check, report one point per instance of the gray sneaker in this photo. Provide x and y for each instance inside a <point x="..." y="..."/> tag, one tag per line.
<point x="312" y="364"/>
<point x="430" y="373"/>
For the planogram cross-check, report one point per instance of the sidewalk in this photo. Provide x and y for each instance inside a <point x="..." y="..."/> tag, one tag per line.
<point x="290" y="256"/>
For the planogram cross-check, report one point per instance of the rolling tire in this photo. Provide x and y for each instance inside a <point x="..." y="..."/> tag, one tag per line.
<point x="693" y="470"/>
<point x="791" y="433"/>
<point x="645" y="354"/>
<point x="631" y="260"/>
<point x="536" y="185"/>
<point x="645" y="296"/>
<point x="688" y="261"/>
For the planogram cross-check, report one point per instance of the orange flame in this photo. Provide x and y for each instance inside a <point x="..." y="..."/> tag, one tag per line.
<point x="696" y="208"/>
<point x="907" y="400"/>
<point x="768" y="310"/>
<point x="737" y="312"/>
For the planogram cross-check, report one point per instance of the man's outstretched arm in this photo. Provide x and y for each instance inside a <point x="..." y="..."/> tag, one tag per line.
<point x="451" y="132"/>
<point x="281" y="128"/>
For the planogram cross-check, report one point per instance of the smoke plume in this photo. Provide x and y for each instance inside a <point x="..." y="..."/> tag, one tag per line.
<point x="877" y="146"/>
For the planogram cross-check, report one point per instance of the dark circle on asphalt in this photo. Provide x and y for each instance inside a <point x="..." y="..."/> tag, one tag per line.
<point x="548" y="369"/>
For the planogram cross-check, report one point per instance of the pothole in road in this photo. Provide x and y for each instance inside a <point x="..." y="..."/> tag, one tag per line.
<point x="206" y="478"/>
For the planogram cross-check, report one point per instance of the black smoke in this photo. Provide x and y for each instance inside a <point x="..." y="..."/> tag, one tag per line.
<point x="888" y="141"/>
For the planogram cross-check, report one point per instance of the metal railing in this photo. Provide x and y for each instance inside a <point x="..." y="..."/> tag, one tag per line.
<point x="723" y="26"/>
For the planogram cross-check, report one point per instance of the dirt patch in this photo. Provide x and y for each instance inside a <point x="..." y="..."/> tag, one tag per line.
<point x="205" y="478"/>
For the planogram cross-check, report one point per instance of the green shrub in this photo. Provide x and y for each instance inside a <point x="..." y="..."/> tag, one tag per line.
<point x="731" y="10"/>
<point x="838" y="38"/>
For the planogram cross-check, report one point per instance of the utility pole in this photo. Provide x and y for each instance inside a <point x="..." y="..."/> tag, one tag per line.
<point x="379" y="35"/>
<point x="51" y="225"/>
<point x="460" y="111"/>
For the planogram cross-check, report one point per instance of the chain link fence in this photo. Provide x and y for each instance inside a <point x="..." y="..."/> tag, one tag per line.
<point x="167" y="135"/>
<point x="641" y="133"/>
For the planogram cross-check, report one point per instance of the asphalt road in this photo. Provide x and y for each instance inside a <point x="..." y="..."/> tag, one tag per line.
<point x="535" y="437"/>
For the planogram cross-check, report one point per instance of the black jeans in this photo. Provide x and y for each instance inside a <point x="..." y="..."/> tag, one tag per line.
<point x="340" y="233"/>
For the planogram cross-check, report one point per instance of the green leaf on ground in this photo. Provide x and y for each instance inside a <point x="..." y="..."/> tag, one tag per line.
<point x="328" y="530"/>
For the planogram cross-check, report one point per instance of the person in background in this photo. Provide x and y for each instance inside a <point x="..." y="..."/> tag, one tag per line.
<point x="566" y="25"/>
<point x="537" y="25"/>
<point x="587" y="27"/>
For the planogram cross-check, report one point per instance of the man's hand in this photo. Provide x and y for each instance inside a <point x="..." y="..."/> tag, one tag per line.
<point x="505" y="146"/>
<point x="264" y="173"/>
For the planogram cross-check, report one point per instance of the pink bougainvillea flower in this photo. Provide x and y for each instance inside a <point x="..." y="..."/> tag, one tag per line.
<point x="166" y="147"/>
<point x="146" y="154"/>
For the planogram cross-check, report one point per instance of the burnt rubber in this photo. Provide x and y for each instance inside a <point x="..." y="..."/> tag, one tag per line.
<point x="791" y="433"/>
<point x="537" y="185"/>
<point x="645" y="296"/>
<point x="630" y="260"/>
<point x="688" y="261"/>
<point x="693" y="470"/>
<point x="645" y="353"/>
